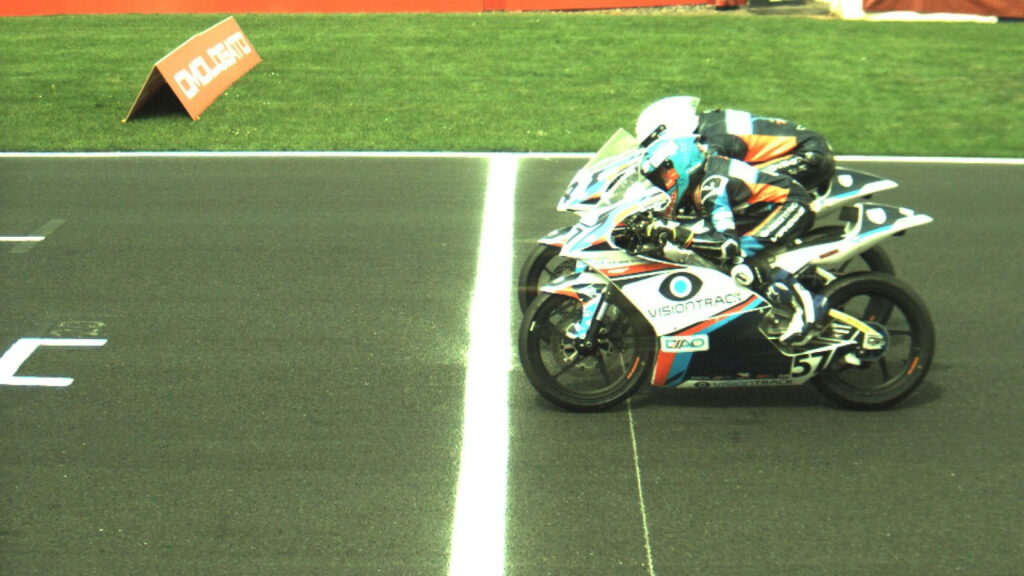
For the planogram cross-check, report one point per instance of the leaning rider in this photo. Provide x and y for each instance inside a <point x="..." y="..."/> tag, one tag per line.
<point x="774" y="145"/>
<point x="722" y="191"/>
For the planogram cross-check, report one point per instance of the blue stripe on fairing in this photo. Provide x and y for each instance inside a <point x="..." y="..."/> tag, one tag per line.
<point x="681" y="361"/>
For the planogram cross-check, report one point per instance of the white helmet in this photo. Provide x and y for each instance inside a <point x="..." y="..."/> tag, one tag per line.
<point x="678" y="114"/>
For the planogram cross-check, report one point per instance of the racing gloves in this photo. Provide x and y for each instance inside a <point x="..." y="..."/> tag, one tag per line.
<point x="713" y="245"/>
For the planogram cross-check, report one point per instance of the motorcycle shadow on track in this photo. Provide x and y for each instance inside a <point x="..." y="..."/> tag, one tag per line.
<point x="768" y="397"/>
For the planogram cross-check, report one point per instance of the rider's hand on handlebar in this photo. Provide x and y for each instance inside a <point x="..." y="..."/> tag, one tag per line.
<point x="723" y="248"/>
<point x="661" y="231"/>
<point x="730" y="250"/>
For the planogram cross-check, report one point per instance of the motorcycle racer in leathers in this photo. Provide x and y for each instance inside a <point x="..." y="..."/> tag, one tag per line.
<point x="775" y="145"/>
<point x="748" y="210"/>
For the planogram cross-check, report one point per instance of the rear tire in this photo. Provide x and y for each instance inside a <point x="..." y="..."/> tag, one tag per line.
<point x="579" y="381"/>
<point x="892" y="307"/>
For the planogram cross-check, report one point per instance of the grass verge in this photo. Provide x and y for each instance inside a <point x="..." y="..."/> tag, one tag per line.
<point x="516" y="82"/>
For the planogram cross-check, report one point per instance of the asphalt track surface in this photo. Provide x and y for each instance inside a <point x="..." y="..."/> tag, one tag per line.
<point x="280" y="389"/>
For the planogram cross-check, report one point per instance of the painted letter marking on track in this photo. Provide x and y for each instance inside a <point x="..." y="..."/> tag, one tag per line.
<point x="16" y="355"/>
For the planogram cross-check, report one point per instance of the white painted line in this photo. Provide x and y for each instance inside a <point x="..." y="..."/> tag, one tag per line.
<point x="414" y="154"/>
<point x="288" y="154"/>
<point x="478" y="528"/>
<point x="37" y="236"/>
<point x="640" y="491"/>
<point x="16" y="355"/>
<point x="22" y="238"/>
<point x="932" y="160"/>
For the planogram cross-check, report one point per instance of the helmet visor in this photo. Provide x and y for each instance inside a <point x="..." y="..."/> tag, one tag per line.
<point x="664" y="176"/>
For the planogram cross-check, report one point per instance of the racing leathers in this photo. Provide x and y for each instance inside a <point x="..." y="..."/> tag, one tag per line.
<point x="775" y="145"/>
<point x="749" y="211"/>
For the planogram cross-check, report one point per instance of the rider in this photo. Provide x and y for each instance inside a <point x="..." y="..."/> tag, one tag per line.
<point x="774" y="145"/>
<point x="730" y="195"/>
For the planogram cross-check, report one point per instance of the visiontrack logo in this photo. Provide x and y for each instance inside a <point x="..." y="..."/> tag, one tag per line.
<point x="696" y="305"/>
<point x="681" y="286"/>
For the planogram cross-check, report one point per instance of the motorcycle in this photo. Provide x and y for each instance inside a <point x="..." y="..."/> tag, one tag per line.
<point x="613" y="172"/>
<point x="591" y="338"/>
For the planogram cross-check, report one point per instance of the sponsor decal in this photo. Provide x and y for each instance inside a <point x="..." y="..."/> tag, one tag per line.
<point x="696" y="305"/>
<point x="205" y="68"/>
<point x="681" y="286"/>
<point x="782" y="223"/>
<point x="692" y="343"/>
<point x="201" y="69"/>
<point x="748" y="383"/>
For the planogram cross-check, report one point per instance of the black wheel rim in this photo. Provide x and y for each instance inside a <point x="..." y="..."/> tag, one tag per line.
<point x="583" y="375"/>
<point x="888" y="372"/>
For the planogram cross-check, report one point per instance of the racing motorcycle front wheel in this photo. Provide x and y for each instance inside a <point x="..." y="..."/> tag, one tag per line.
<point x="542" y="265"/>
<point x="887" y="374"/>
<point x="578" y="375"/>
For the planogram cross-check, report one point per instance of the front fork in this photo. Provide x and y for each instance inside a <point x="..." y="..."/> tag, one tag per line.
<point x="595" y="305"/>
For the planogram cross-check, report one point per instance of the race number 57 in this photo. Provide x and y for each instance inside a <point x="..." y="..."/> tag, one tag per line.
<point x="17" y="354"/>
<point x="808" y="364"/>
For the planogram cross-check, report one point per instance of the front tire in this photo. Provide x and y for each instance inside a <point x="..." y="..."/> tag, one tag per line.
<point x="543" y="264"/>
<point x="563" y="373"/>
<point x="894" y="309"/>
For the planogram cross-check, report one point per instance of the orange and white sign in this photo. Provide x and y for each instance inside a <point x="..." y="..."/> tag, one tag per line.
<point x="202" y="68"/>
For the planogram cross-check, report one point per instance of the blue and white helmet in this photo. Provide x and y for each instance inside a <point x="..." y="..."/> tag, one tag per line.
<point x="672" y="162"/>
<point x="675" y="116"/>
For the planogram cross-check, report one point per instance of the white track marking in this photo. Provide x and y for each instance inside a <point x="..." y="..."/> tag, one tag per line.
<point x="640" y="491"/>
<point x="478" y="528"/>
<point x="28" y="242"/>
<point x="399" y="154"/>
<point x="22" y="238"/>
<point x="19" y="352"/>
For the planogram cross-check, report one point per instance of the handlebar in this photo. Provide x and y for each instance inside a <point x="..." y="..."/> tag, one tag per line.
<point x="634" y="233"/>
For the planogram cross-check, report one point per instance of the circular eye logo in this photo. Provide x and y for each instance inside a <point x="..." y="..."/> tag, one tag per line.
<point x="876" y="216"/>
<point x="681" y="286"/>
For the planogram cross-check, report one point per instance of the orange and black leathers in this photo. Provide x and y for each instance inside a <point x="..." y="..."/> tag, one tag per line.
<point x="758" y="208"/>
<point x="775" y="145"/>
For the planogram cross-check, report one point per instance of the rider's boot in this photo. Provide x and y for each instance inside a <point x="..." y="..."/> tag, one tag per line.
<point x="808" y="308"/>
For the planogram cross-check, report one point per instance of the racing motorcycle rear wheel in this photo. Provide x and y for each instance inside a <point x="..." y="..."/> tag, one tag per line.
<point x="574" y="376"/>
<point x="869" y="380"/>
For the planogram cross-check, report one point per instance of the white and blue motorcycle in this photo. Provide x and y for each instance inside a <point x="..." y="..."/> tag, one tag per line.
<point x="589" y="339"/>
<point x="612" y="174"/>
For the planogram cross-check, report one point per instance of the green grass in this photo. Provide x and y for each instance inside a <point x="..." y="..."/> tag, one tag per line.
<point x="516" y="82"/>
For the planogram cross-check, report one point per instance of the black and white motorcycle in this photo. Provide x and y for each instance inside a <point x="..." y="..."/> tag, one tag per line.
<point x="620" y="319"/>
<point x="612" y="175"/>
